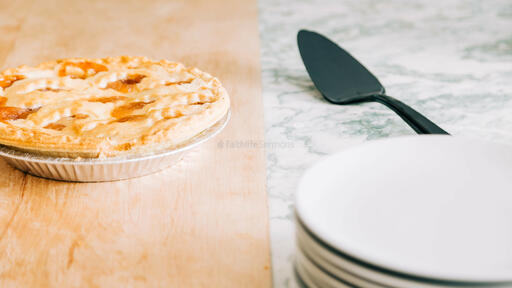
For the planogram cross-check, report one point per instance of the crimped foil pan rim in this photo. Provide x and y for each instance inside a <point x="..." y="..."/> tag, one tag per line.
<point x="7" y="152"/>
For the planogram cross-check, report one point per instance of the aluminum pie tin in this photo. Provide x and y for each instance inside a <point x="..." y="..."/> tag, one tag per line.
<point x="110" y="169"/>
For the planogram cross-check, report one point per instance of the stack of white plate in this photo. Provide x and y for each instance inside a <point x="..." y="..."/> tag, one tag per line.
<point x="426" y="211"/>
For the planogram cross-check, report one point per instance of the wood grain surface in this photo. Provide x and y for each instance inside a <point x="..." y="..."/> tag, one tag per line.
<point x="202" y="223"/>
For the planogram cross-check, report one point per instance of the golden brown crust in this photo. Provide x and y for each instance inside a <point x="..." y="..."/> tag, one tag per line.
<point x="106" y="107"/>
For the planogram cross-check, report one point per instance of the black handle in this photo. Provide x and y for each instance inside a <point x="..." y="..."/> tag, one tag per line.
<point x="418" y="122"/>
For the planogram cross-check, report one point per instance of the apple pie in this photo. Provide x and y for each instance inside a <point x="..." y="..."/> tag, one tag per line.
<point x="106" y="107"/>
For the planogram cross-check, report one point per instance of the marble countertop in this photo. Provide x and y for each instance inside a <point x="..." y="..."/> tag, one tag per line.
<point x="451" y="60"/>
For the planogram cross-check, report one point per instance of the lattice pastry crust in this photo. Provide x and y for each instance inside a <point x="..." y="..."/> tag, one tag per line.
<point x="106" y="107"/>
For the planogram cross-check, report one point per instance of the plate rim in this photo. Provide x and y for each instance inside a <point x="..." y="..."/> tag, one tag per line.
<point x="410" y="280"/>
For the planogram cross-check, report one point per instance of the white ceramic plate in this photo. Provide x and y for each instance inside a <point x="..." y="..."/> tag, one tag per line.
<point x="340" y="266"/>
<point x="436" y="207"/>
<point x="312" y="276"/>
<point x="328" y="268"/>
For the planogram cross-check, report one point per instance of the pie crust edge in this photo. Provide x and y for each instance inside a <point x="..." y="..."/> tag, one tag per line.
<point x="38" y="142"/>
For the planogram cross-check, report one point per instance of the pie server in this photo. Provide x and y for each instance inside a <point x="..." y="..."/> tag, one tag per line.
<point x="343" y="80"/>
